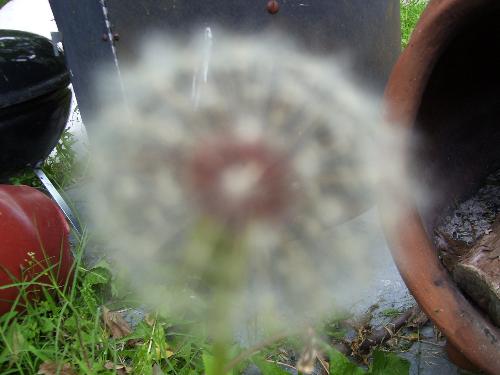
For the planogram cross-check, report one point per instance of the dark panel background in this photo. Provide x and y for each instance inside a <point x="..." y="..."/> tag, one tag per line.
<point x="367" y="30"/>
<point x="82" y="25"/>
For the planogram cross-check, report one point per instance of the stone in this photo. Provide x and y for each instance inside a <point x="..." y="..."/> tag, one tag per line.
<point x="468" y="241"/>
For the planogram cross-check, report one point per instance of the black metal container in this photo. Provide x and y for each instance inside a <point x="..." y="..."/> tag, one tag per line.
<point x="34" y="99"/>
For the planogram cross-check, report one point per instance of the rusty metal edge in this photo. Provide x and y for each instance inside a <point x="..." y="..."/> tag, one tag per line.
<point x="464" y="326"/>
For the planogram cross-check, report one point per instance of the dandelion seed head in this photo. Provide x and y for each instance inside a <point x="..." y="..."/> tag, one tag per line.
<point x="238" y="179"/>
<point x="235" y="177"/>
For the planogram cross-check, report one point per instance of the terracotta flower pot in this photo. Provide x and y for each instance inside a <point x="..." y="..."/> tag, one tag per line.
<point x="34" y="237"/>
<point x="445" y="87"/>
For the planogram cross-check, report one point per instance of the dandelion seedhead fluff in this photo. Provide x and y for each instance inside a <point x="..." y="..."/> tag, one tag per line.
<point x="224" y="178"/>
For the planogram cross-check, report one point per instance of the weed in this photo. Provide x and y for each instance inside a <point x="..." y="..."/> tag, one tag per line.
<point x="410" y="14"/>
<point x="391" y="312"/>
<point x="70" y="331"/>
<point x="61" y="165"/>
<point x="65" y="330"/>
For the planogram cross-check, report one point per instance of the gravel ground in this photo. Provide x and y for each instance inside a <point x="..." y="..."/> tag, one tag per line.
<point x="473" y="218"/>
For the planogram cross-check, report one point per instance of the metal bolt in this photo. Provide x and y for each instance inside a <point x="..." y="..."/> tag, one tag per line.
<point x="116" y="37"/>
<point x="273" y="6"/>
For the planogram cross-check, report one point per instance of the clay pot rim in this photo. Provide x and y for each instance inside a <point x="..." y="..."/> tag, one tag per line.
<point x="463" y="325"/>
<point x="431" y="35"/>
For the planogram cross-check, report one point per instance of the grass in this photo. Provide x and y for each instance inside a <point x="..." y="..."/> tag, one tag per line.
<point x="61" y="166"/>
<point x="391" y="312"/>
<point x="410" y="14"/>
<point x="70" y="329"/>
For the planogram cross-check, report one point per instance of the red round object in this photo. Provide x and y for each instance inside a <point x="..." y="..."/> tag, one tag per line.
<point x="273" y="6"/>
<point x="34" y="236"/>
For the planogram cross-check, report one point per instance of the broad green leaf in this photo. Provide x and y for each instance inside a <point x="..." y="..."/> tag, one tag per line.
<point x="92" y="280"/>
<point x="340" y="365"/>
<point x="385" y="363"/>
<point x="14" y="345"/>
<point x="96" y="276"/>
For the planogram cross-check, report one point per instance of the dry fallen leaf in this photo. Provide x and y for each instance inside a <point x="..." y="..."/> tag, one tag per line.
<point x="150" y="319"/>
<point x="131" y="343"/>
<point x="163" y="354"/>
<point x="115" y="323"/>
<point x="53" y="368"/>
<point x="120" y="369"/>
<point x="157" y="370"/>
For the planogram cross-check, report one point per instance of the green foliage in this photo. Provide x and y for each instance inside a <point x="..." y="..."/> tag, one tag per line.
<point x="391" y="312"/>
<point x="340" y="365"/>
<point x="336" y="327"/>
<point x="60" y="166"/>
<point x="384" y="363"/>
<point x="3" y="2"/>
<point x="66" y="328"/>
<point x="410" y="14"/>
<point x="94" y="282"/>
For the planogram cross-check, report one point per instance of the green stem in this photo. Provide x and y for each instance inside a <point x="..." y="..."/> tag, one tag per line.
<point x="221" y="333"/>
<point x="224" y="276"/>
<point x="220" y="352"/>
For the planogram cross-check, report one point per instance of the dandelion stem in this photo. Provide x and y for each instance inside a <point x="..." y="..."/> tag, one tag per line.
<point x="220" y="358"/>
